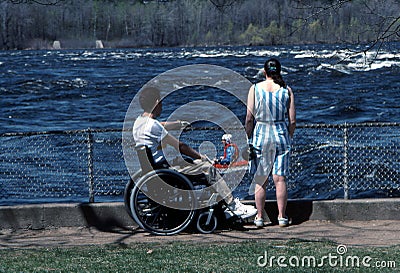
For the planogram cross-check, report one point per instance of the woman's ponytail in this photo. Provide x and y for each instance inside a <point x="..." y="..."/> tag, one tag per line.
<point x="273" y="68"/>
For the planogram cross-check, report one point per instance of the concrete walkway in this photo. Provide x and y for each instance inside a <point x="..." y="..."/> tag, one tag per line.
<point x="382" y="233"/>
<point x="369" y="222"/>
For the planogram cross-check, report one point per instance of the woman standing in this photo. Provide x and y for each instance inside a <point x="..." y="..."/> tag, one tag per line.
<point x="270" y="125"/>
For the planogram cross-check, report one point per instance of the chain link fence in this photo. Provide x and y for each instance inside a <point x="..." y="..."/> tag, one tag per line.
<point x="328" y="161"/>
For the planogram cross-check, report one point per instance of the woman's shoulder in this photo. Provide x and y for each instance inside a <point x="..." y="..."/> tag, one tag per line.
<point x="259" y="85"/>
<point x="268" y="86"/>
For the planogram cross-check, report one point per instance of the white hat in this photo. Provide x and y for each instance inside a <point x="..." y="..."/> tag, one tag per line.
<point x="227" y="138"/>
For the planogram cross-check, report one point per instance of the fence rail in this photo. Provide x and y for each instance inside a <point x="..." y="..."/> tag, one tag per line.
<point x="328" y="161"/>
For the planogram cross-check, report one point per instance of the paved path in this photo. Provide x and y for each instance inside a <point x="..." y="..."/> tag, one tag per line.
<point x="350" y="233"/>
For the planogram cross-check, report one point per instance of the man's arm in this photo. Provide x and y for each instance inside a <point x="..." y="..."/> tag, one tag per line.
<point x="174" y="125"/>
<point x="180" y="146"/>
<point x="171" y="125"/>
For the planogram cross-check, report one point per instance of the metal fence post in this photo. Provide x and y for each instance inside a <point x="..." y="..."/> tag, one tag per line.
<point x="345" y="161"/>
<point x="90" y="165"/>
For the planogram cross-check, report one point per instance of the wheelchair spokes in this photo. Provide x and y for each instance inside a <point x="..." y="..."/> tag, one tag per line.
<point x="164" y="202"/>
<point x="156" y="208"/>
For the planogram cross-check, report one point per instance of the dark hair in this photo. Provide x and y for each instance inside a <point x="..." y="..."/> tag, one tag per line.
<point x="273" y="69"/>
<point x="148" y="98"/>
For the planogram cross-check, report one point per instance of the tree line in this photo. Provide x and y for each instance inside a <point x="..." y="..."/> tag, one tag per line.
<point x="132" y="23"/>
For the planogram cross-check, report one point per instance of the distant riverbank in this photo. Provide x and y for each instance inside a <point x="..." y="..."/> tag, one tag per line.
<point x="170" y="23"/>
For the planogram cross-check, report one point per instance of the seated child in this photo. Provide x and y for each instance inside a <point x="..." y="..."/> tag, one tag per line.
<point x="230" y="151"/>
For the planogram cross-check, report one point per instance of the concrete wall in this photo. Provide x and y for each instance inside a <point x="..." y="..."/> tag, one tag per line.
<point x="109" y="215"/>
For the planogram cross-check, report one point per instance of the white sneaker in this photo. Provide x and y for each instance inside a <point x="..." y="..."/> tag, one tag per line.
<point x="259" y="222"/>
<point x="241" y="210"/>
<point x="283" y="222"/>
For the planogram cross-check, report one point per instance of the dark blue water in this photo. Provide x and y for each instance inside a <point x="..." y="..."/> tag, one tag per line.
<point x="75" y="89"/>
<point x="78" y="89"/>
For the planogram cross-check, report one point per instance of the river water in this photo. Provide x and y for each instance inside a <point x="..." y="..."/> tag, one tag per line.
<point x="77" y="89"/>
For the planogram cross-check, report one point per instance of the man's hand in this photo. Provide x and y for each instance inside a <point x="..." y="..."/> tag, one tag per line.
<point x="184" y="124"/>
<point x="203" y="158"/>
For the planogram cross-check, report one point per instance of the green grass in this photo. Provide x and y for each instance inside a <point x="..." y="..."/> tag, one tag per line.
<point x="190" y="257"/>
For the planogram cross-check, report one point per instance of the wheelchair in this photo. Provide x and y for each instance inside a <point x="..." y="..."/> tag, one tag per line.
<point x="163" y="201"/>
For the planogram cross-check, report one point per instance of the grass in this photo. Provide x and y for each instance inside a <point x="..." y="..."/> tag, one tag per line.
<point x="189" y="257"/>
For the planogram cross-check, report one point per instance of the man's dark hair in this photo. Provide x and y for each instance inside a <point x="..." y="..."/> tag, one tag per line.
<point x="148" y="98"/>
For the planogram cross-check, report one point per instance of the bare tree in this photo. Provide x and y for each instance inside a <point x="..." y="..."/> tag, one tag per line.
<point x="223" y="4"/>
<point x="385" y="25"/>
<point x="388" y="26"/>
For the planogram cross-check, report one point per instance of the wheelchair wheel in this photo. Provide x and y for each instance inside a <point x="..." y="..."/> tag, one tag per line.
<point x="155" y="207"/>
<point x="128" y="190"/>
<point x="206" y="222"/>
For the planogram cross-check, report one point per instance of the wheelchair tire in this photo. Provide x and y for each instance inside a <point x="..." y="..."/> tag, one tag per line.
<point x="202" y="225"/>
<point x="128" y="190"/>
<point x="154" y="216"/>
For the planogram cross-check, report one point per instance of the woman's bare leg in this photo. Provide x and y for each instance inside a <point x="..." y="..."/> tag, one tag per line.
<point x="260" y="196"/>
<point x="281" y="194"/>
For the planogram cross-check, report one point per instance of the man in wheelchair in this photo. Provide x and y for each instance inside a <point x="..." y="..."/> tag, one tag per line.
<point x="153" y="134"/>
